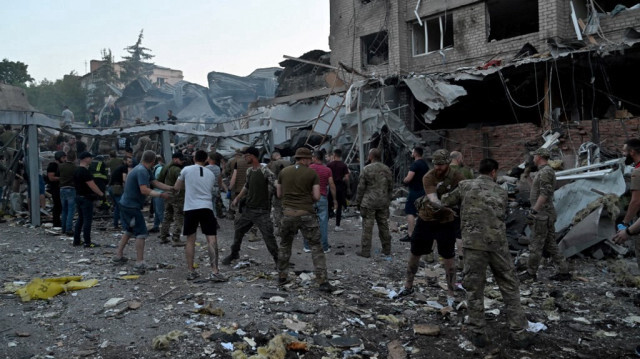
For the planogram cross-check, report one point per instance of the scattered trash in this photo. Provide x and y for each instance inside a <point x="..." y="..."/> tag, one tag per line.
<point x="426" y="329"/>
<point x="130" y="276"/>
<point x="227" y="346"/>
<point x="536" y="327"/>
<point x="210" y="310"/>
<point x="163" y="342"/>
<point x="295" y="325"/>
<point x="113" y="302"/>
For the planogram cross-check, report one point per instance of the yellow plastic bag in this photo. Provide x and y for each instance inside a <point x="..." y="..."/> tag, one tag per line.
<point x="46" y="288"/>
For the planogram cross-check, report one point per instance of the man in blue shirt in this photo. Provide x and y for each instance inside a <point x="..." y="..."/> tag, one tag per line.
<point x="136" y="188"/>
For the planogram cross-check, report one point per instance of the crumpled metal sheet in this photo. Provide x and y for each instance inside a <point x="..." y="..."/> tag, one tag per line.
<point x="436" y="94"/>
<point x="372" y="122"/>
<point x="593" y="229"/>
<point x="573" y="197"/>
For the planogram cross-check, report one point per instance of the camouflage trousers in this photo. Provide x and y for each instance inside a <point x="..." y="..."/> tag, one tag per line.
<point x="217" y="204"/>
<point x="308" y="226"/>
<point x="369" y="217"/>
<point x="543" y="236"/>
<point x="276" y="213"/>
<point x="173" y="212"/>
<point x="252" y="218"/>
<point x="232" y="211"/>
<point x="475" y="269"/>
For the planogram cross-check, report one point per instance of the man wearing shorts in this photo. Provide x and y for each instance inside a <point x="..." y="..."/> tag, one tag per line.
<point x="199" y="184"/>
<point x="136" y="189"/>
<point x="435" y="222"/>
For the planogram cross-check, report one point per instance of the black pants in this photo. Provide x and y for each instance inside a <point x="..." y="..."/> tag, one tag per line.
<point x="57" y="207"/>
<point x="341" y="197"/>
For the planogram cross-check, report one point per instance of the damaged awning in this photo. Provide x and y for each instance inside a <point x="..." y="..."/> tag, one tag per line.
<point x="436" y="94"/>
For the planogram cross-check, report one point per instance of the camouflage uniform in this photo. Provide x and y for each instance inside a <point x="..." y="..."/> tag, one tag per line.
<point x="374" y="194"/>
<point x="258" y="217"/>
<point x="174" y="208"/>
<point x="276" y="167"/>
<point x="543" y="234"/>
<point x="484" y="206"/>
<point x="465" y="171"/>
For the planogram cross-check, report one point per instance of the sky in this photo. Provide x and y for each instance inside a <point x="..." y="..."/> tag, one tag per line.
<point x="196" y="36"/>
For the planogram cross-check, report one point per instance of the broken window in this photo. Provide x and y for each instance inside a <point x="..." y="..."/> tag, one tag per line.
<point x="375" y="49"/>
<point x="511" y="18"/>
<point x="433" y="35"/>
<point x="160" y="81"/>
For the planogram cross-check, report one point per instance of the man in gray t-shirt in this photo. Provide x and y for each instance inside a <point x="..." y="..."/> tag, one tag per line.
<point x="67" y="117"/>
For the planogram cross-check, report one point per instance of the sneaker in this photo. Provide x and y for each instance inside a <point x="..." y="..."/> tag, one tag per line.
<point x="306" y="250"/>
<point x="405" y="239"/>
<point x="326" y="287"/>
<point x="154" y="230"/>
<point x="119" y="260"/>
<point x="522" y="340"/>
<point x="217" y="277"/>
<point x="192" y="275"/>
<point x="479" y="340"/>
<point x="561" y="277"/>
<point x="363" y="255"/>
<point x="92" y="245"/>
<point x="526" y="276"/>
<point x="326" y="250"/>
<point x="404" y="292"/>
<point x="338" y="229"/>
<point x="140" y="268"/>
<point x="228" y="259"/>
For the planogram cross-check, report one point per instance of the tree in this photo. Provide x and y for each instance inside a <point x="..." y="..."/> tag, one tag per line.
<point x="134" y="64"/>
<point x="14" y="73"/>
<point x="51" y="97"/>
<point x="104" y="76"/>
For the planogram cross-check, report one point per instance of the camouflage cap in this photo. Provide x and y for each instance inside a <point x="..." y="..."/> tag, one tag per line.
<point x="543" y="152"/>
<point x="303" y="153"/>
<point x="441" y="157"/>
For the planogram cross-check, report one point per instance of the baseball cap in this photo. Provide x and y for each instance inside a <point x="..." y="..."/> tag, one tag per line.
<point x="84" y="155"/>
<point x="543" y="152"/>
<point x="441" y="157"/>
<point x="303" y="152"/>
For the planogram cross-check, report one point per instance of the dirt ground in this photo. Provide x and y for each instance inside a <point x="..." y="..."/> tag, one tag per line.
<point x="594" y="316"/>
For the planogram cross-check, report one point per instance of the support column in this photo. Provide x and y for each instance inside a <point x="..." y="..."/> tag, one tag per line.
<point x="166" y="146"/>
<point x="360" y="135"/>
<point x="34" y="180"/>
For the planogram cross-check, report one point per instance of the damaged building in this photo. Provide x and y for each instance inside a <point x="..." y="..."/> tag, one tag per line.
<point x="487" y="78"/>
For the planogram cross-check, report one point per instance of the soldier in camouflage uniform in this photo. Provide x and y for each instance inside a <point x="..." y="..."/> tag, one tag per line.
<point x="542" y="219"/>
<point x="259" y="187"/>
<point x="484" y="237"/>
<point x="174" y="206"/>
<point x="374" y="195"/>
<point x="299" y="187"/>
<point x="276" y="165"/>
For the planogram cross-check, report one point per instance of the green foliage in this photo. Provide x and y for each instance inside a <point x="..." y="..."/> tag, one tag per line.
<point x="51" y="97"/>
<point x="102" y="77"/>
<point x="14" y="73"/>
<point x="134" y="64"/>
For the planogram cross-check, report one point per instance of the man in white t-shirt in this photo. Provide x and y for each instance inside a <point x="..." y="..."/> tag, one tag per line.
<point x="199" y="184"/>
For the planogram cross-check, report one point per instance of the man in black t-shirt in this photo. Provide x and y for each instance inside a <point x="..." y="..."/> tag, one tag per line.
<point x="53" y="175"/>
<point x="413" y="180"/>
<point x="116" y="188"/>
<point x="86" y="192"/>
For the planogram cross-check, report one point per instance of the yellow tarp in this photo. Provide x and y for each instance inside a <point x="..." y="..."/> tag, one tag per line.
<point x="46" y="288"/>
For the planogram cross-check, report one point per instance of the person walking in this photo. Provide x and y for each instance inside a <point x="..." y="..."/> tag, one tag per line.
<point x="299" y="187"/>
<point x="86" y="193"/>
<point x="484" y="236"/>
<point x="322" y="206"/>
<point x="136" y="188"/>
<point x="53" y="175"/>
<point x="340" y="174"/>
<point x="258" y="189"/>
<point x="199" y="184"/>
<point x="374" y="195"/>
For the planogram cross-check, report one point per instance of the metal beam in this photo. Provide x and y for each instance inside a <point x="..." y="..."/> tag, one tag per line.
<point x="34" y="179"/>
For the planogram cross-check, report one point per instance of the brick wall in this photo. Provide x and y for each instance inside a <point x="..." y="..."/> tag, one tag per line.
<point x="507" y="144"/>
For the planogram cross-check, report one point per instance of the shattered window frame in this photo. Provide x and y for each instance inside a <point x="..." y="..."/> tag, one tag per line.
<point x="504" y="25"/>
<point x="443" y="38"/>
<point x="373" y="46"/>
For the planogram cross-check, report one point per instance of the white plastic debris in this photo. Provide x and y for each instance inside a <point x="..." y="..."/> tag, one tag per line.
<point x="228" y="346"/>
<point x="536" y="327"/>
<point x="113" y="302"/>
<point x="434" y="304"/>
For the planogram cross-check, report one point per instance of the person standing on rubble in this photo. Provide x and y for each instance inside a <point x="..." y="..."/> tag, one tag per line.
<point x="258" y="189"/>
<point x="632" y="151"/>
<point x="199" y="183"/>
<point x="374" y="195"/>
<point x="484" y="235"/>
<point x="299" y="187"/>
<point x="86" y="192"/>
<point x="67" y="193"/>
<point x="276" y="165"/>
<point x="214" y="166"/>
<point x="542" y="218"/>
<point x="322" y="206"/>
<point x="67" y="117"/>
<point x="413" y="180"/>
<point x="116" y="189"/>
<point x="53" y="175"/>
<point x="435" y="222"/>
<point x="136" y="188"/>
<point x="457" y="163"/>
<point x="173" y="207"/>
<point x="340" y="174"/>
